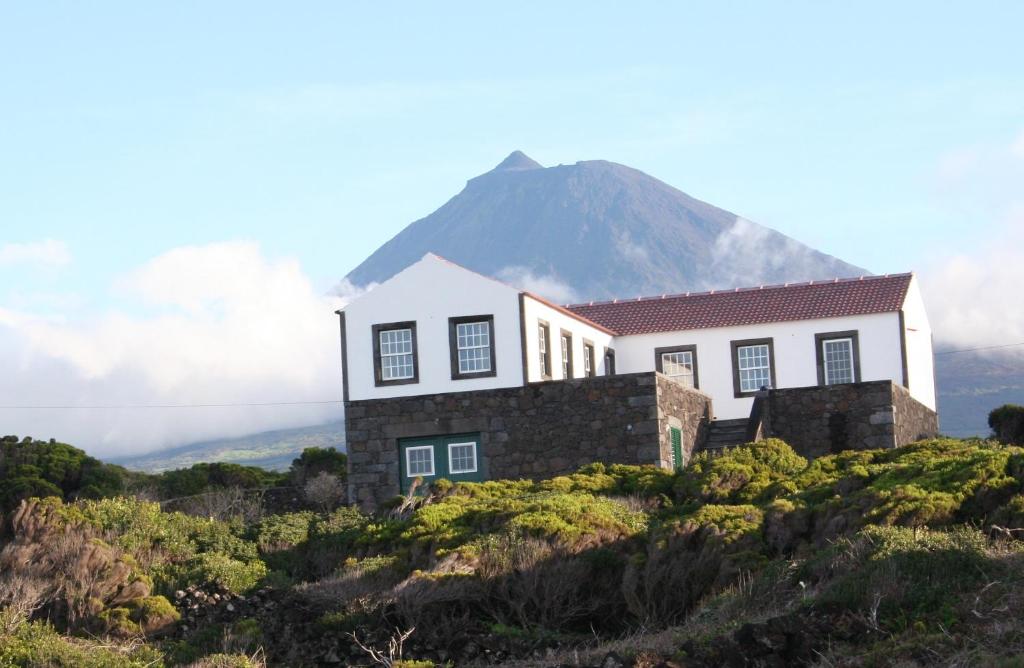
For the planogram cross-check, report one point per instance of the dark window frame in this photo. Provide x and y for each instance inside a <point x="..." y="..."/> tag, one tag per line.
<point x="568" y="370"/>
<point x="819" y="356"/>
<point x="691" y="348"/>
<point x="609" y="361"/>
<point x="589" y="345"/>
<point x="453" y="346"/>
<point x="734" y="347"/>
<point x="545" y="369"/>
<point x="378" y="375"/>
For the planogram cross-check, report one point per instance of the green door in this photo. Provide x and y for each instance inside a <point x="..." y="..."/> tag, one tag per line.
<point x="455" y="457"/>
<point x="677" y="448"/>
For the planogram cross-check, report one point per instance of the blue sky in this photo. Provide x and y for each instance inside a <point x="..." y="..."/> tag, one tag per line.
<point x="889" y="134"/>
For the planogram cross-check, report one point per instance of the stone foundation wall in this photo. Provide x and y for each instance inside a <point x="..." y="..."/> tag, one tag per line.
<point x="819" y="421"/>
<point x="536" y="431"/>
<point x="914" y="420"/>
<point x="685" y="408"/>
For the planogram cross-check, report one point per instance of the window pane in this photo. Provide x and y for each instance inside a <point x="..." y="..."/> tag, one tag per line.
<point x="838" y="355"/>
<point x="678" y="365"/>
<point x="754" y="367"/>
<point x="462" y="457"/>
<point x="474" y="346"/>
<point x="420" y="461"/>
<point x="396" y="360"/>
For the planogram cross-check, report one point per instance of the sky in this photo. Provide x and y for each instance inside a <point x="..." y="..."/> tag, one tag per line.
<point x="183" y="185"/>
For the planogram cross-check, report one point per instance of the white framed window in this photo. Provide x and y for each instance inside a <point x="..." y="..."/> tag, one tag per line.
<point x="754" y="366"/>
<point x="837" y="355"/>
<point x="588" y="360"/>
<point x="543" y="339"/>
<point x="396" y="356"/>
<point x="566" y="341"/>
<point x="462" y="457"/>
<point x="473" y="341"/>
<point x="678" y="365"/>
<point x="419" y="461"/>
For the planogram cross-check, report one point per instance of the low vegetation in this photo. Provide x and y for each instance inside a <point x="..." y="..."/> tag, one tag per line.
<point x="909" y="556"/>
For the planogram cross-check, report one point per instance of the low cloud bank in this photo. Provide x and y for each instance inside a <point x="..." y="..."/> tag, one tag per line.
<point x="545" y="285"/>
<point x="222" y="324"/>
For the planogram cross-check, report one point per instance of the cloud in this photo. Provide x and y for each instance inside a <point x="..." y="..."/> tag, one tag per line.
<point x="748" y="254"/>
<point x="973" y="293"/>
<point x="48" y="252"/>
<point x="547" y="286"/>
<point x="974" y="298"/>
<point x="222" y="323"/>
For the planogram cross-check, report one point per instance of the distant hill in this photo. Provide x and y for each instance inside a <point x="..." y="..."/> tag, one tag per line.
<point x="972" y="384"/>
<point x="272" y="450"/>
<point x="597" y="230"/>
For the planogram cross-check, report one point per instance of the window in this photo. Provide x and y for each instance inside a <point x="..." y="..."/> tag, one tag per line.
<point x="589" y="369"/>
<point x="566" y="354"/>
<point x="753" y="366"/>
<point x="471" y="346"/>
<point x="462" y="457"/>
<point x="838" y="358"/>
<point x="394" y="353"/>
<point x="609" y="362"/>
<point x="419" y="461"/>
<point x="679" y="363"/>
<point x="544" y="346"/>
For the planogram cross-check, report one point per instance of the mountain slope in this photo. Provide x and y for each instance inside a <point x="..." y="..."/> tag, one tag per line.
<point x="272" y="450"/>
<point x="523" y="222"/>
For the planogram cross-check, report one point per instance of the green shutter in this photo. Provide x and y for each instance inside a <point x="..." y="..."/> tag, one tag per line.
<point x="677" y="448"/>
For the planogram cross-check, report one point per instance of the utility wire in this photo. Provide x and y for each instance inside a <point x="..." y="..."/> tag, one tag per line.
<point x="322" y="402"/>
<point x="119" y="406"/>
<point x="985" y="347"/>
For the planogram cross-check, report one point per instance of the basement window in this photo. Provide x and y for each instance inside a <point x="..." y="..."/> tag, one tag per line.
<point x="419" y="461"/>
<point x="462" y="457"/>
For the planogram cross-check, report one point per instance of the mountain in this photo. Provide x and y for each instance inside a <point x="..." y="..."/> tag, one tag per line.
<point x="597" y="230"/>
<point x="273" y="450"/>
<point x="971" y="384"/>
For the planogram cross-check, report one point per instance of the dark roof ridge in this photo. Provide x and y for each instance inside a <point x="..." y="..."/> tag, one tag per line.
<point x="717" y="291"/>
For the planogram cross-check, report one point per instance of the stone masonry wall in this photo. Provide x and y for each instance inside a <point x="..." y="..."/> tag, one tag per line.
<point x="535" y="431"/>
<point x="914" y="420"/>
<point x="819" y="421"/>
<point x="685" y="408"/>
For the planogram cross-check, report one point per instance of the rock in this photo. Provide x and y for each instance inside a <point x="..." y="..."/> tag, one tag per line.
<point x="179" y="594"/>
<point x="229" y="607"/>
<point x="613" y="660"/>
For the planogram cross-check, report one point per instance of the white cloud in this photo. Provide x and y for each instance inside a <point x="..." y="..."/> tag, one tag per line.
<point x="974" y="292"/>
<point x="48" y="252"/>
<point x="228" y="325"/>
<point x="548" y="286"/>
<point x="974" y="298"/>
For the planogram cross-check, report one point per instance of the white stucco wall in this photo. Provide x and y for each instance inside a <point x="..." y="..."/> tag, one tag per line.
<point x="920" y="357"/>
<point x="558" y="320"/>
<point x="794" y="345"/>
<point x="429" y="292"/>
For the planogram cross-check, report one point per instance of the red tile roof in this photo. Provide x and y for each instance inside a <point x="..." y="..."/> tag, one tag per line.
<point x="750" y="306"/>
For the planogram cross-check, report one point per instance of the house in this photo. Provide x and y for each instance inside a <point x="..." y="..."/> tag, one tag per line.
<point x="448" y="373"/>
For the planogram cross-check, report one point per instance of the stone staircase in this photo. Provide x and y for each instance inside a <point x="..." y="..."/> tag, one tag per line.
<point x="724" y="434"/>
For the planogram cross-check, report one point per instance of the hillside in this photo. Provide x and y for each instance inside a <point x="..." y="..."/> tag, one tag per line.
<point x="905" y="557"/>
<point x="273" y="450"/>
<point x="599" y="230"/>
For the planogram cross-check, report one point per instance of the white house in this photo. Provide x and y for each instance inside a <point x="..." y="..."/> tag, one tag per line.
<point x="439" y="330"/>
<point x="437" y="327"/>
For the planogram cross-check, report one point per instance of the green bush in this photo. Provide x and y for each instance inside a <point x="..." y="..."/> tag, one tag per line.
<point x="34" y="644"/>
<point x="1007" y="423"/>
<point x="751" y="473"/>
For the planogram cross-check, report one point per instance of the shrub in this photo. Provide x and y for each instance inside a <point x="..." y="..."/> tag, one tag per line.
<point x="750" y="473"/>
<point x="1007" y="423"/>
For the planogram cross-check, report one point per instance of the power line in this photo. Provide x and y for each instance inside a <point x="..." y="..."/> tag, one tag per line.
<point x="230" y="405"/>
<point x="984" y="347"/>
